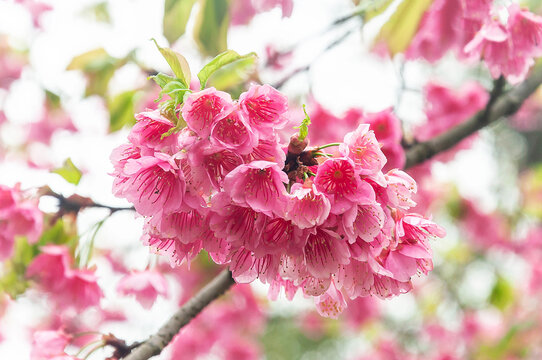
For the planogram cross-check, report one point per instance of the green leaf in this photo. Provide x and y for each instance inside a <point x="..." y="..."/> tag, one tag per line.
<point x="52" y="99"/>
<point x="90" y="61"/>
<point x="402" y="25"/>
<point x="502" y="294"/>
<point x="221" y="60"/>
<point x="232" y="77"/>
<point x="99" y="67"/>
<point x="176" y="14"/>
<point x="162" y="79"/>
<point x="304" y="127"/>
<point x="121" y="110"/>
<point x="211" y="27"/>
<point x="13" y="280"/>
<point x="177" y="62"/>
<point x="99" y="12"/>
<point x="69" y="172"/>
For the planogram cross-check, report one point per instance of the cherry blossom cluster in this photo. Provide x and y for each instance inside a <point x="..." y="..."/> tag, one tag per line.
<point x="19" y="216"/>
<point x="508" y="44"/>
<point x="328" y="222"/>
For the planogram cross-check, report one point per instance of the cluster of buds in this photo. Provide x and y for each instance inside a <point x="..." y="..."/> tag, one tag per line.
<point x="325" y="220"/>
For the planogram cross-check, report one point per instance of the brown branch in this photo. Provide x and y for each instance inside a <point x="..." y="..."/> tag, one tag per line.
<point x="75" y="202"/>
<point x="157" y="342"/>
<point x="497" y="107"/>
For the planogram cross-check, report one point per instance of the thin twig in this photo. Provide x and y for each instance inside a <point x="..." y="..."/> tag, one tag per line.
<point x="500" y="106"/>
<point x="279" y="84"/>
<point x="76" y="202"/>
<point x="157" y="342"/>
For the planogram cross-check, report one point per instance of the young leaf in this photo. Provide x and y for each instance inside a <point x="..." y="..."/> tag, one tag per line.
<point x="162" y="79"/>
<point x="211" y="28"/>
<point x="176" y="14"/>
<point x="121" y="110"/>
<point x="90" y="60"/>
<point x="177" y="62"/>
<point x="304" y="127"/>
<point x="69" y="172"/>
<point x="223" y="59"/>
<point x="402" y="25"/>
<point x="231" y="77"/>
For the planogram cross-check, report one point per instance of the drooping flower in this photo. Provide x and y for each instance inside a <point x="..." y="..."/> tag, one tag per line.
<point x="307" y="207"/>
<point x="239" y="225"/>
<point x="400" y="189"/>
<point x="145" y="285"/>
<point x="324" y="252"/>
<point x="50" y="345"/>
<point x="215" y="161"/>
<point x="330" y="304"/>
<point x="364" y="221"/>
<point x="149" y="130"/>
<point x="68" y="287"/>
<point x="154" y="184"/>
<point x="258" y="185"/>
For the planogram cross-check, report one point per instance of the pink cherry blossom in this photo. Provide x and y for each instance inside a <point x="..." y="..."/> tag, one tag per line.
<point x="400" y="189"/>
<point x="362" y="147"/>
<point x="265" y="108"/>
<point x="267" y="150"/>
<point x="324" y="252"/>
<point x="307" y="207"/>
<point x="148" y="131"/>
<point x="414" y="227"/>
<point x="154" y="183"/>
<point x="47" y="345"/>
<point x="259" y="185"/>
<point x="331" y="304"/>
<point x="338" y="179"/>
<point x="68" y="287"/>
<point x="145" y="285"/>
<point x="216" y="162"/>
<point x="238" y="224"/>
<point x="232" y="131"/>
<point x="509" y="49"/>
<point x="364" y="221"/>
<point x="201" y="109"/>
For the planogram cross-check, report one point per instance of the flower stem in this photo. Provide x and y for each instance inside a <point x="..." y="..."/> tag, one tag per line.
<point x="327" y="145"/>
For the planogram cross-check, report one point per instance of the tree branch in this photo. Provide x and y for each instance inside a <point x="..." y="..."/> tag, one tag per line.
<point x="76" y="202"/>
<point x="157" y="342"/>
<point x="497" y="107"/>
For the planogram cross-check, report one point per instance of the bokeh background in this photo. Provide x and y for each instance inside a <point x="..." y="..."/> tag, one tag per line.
<point x="73" y="73"/>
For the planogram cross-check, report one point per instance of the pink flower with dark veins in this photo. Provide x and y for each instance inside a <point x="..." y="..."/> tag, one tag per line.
<point x="362" y="147"/>
<point x="232" y="131"/>
<point x="154" y="184"/>
<point x="200" y="110"/>
<point x="307" y="207"/>
<point x="324" y="252"/>
<point x="265" y="108"/>
<point x="149" y="129"/>
<point x="258" y="185"/>
<point x="338" y="179"/>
